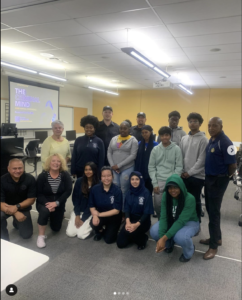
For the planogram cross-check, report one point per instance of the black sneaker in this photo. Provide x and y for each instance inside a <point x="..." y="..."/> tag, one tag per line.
<point x="183" y="259"/>
<point x="143" y="246"/>
<point x="169" y="250"/>
<point x="98" y="236"/>
<point x="15" y="224"/>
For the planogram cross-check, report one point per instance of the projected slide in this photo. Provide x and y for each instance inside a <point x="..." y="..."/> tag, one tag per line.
<point x="32" y="107"/>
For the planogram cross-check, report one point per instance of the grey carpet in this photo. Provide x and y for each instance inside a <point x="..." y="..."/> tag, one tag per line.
<point x="92" y="270"/>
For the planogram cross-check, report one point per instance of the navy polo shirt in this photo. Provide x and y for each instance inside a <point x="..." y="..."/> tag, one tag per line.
<point x="217" y="157"/>
<point x="139" y="204"/>
<point x="104" y="201"/>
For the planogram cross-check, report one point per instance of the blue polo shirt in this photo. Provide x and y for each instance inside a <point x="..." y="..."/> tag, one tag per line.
<point x="139" y="204"/>
<point x="104" y="201"/>
<point x="217" y="157"/>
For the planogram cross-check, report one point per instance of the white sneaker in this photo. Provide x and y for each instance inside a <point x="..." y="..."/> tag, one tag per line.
<point x="41" y="241"/>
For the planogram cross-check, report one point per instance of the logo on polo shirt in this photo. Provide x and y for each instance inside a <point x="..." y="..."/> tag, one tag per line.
<point x="232" y="150"/>
<point x="23" y="187"/>
<point x="141" y="200"/>
<point x="112" y="199"/>
<point x="212" y="150"/>
<point x="94" y="145"/>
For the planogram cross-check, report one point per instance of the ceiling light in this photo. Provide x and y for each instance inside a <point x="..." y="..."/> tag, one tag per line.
<point x="93" y="88"/>
<point x="100" y="90"/>
<point x="141" y="58"/>
<point x="17" y="67"/>
<point x="48" y="55"/>
<point x="185" y="89"/>
<point x="51" y="76"/>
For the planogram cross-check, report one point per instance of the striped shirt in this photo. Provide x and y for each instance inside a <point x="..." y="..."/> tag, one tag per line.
<point x="54" y="182"/>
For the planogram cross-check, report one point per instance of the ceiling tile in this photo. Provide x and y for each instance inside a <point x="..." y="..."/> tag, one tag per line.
<point x="223" y="69"/>
<point x="107" y="57"/>
<point x="20" y="3"/>
<point x="77" y="40"/>
<point x="55" y="29"/>
<point x="101" y="49"/>
<point x="229" y="48"/>
<point x="219" y="63"/>
<point x="162" y="2"/>
<point x="31" y="46"/>
<point x="198" y="10"/>
<point x="36" y="15"/>
<point x="86" y="8"/>
<point x="4" y="27"/>
<point x="206" y="27"/>
<point x="215" y="57"/>
<point x="210" y="39"/>
<point x="118" y="21"/>
<point x="11" y="35"/>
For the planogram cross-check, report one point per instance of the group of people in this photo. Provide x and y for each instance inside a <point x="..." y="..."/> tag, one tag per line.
<point x="118" y="168"/>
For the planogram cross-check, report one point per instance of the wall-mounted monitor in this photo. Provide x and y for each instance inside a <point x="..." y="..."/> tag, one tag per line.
<point x="41" y="136"/>
<point x="32" y="105"/>
<point x="8" y="129"/>
<point x="71" y="135"/>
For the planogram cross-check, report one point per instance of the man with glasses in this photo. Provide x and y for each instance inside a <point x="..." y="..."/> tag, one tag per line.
<point x="193" y="147"/>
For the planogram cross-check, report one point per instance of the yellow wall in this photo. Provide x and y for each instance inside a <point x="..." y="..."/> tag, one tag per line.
<point x="224" y="103"/>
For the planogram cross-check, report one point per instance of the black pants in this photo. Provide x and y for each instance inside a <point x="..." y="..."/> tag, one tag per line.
<point x="149" y="185"/>
<point x="215" y="188"/>
<point x="112" y="225"/>
<point x="138" y="236"/>
<point x="56" y="217"/>
<point x="194" y="186"/>
<point x="25" y="228"/>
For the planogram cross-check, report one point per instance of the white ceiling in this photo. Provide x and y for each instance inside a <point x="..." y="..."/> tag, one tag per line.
<point x="177" y="35"/>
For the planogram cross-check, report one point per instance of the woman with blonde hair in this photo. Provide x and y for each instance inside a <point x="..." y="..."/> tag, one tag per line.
<point x="56" y="143"/>
<point x="54" y="186"/>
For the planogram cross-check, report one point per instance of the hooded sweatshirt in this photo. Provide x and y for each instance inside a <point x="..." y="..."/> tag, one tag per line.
<point x="193" y="149"/>
<point x="188" y="213"/>
<point x="164" y="161"/>
<point x="176" y="135"/>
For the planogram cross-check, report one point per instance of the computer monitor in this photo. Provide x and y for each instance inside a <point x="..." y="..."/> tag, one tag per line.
<point x="12" y="146"/>
<point x="71" y="135"/>
<point x="9" y="129"/>
<point x="41" y="136"/>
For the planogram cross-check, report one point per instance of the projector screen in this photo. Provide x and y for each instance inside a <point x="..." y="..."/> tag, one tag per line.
<point x="32" y="105"/>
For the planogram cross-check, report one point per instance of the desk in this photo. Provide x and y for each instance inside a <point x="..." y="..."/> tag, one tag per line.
<point x="17" y="262"/>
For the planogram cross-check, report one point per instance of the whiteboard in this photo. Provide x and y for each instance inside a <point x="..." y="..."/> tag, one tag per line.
<point x="67" y="117"/>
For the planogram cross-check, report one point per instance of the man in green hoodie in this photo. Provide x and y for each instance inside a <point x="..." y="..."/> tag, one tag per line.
<point x="178" y="221"/>
<point x="165" y="160"/>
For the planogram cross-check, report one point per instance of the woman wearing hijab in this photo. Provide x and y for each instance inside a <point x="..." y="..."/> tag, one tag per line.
<point x="178" y="221"/>
<point x="146" y="145"/>
<point x="138" y="207"/>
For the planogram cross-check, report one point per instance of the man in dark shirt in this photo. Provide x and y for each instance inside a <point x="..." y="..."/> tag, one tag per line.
<point x="136" y="131"/>
<point x="220" y="165"/>
<point x="107" y="129"/>
<point x="18" y="193"/>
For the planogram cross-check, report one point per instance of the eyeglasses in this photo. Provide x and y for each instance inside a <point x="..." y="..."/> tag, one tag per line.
<point x="195" y="122"/>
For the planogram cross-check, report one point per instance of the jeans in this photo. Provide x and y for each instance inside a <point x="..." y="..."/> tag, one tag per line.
<point x="122" y="180"/>
<point x="25" y="228"/>
<point x="215" y="188"/>
<point x="183" y="237"/>
<point x="194" y="186"/>
<point x="158" y="197"/>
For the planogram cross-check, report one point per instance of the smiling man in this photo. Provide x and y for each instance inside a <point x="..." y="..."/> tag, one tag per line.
<point x="18" y="193"/>
<point x="220" y="165"/>
<point x="136" y="131"/>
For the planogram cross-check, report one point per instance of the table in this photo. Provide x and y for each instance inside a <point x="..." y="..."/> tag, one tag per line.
<point x="17" y="262"/>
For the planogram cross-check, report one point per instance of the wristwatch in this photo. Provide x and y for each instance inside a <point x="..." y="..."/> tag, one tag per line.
<point x="57" y="203"/>
<point x="18" y="206"/>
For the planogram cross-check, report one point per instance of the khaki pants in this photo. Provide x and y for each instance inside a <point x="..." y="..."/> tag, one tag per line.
<point x="157" y="198"/>
<point x="82" y="232"/>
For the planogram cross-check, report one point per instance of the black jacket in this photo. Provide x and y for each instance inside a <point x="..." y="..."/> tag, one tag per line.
<point x="44" y="191"/>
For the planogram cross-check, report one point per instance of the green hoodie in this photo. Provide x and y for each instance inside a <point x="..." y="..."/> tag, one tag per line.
<point x="188" y="213"/>
<point x="164" y="161"/>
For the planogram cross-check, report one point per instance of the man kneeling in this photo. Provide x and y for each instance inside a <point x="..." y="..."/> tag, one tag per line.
<point x="18" y="193"/>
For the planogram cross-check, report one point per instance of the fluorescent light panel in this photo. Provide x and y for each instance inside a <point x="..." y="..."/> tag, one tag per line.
<point x="17" y="67"/>
<point x="100" y="90"/>
<point x="51" y="76"/>
<point x="185" y="89"/>
<point x="132" y="52"/>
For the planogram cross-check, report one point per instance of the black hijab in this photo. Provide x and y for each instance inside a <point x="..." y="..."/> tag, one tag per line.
<point x="143" y="155"/>
<point x="141" y="188"/>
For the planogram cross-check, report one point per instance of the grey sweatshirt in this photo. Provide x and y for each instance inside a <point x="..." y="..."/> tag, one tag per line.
<point x="193" y="149"/>
<point x="124" y="156"/>
<point x="176" y="135"/>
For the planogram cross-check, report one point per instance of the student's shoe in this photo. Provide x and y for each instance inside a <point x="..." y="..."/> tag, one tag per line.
<point x="143" y="246"/>
<point x="210" y="254"/>
<point x="15" y="224"/>
<point x="41" y="241"/>
<point x="184" y="259"/>
<point x="206" y="242"/>
<point x="169" y="250"/>
<point x="98" y="236"/>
